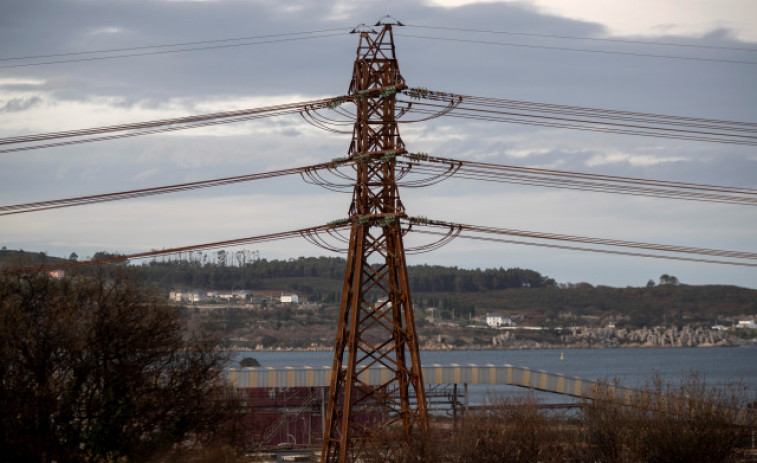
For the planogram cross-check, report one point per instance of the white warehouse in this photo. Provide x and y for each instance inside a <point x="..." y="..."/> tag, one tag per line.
<point x="496" y="320"/>
<point x="290" y="299"/>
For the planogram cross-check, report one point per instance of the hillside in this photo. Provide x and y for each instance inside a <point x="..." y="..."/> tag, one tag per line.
<point x="457" y="292"/>
<point x="447" y="300"/>
<point x="449" y="303"/>
<point x="12" y="257"/>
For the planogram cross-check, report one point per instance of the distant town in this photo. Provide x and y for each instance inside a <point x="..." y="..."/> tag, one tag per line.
<point x="254" y="310"/>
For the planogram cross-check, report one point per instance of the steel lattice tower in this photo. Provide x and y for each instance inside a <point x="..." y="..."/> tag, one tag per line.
<point x="376" y="324"/>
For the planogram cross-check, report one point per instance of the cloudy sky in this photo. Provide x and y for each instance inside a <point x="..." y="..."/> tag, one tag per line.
<point x="96" y="92"/>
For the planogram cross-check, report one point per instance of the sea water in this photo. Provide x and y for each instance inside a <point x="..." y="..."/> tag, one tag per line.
<point x="632" y="367"/>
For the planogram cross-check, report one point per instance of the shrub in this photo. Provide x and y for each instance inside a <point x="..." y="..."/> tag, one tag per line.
<point x="92" y="368"/>
<point x="690" y="422"/>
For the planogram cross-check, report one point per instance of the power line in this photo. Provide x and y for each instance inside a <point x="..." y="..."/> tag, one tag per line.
<point x="472" y="170"/>
<point x="571" y="110"/>
<point x="581" y="50"/>
<point x="180" y="44"/>
<point x="594" y="39"/>
<point x="143" y="192"/>
<point x="473" y="230"/>
<point x="481" y="107"/>
<point x="146" y="132"/>
<point x="321" y="31"/>
<point x="588" y="128"/>
<point x="425" y="101"/>
<point x="195" y="247"/>
<point x="601" y="241"/>
<point x="309" y="232"/>
<point x="585" y="249"/>
<point x="470" y="107"/>
<point x="209" y="47"/>
<point x="164" y="122"/>
<point x="435" y="165"/>
<point x="429" y="170"/>
<point x="163" y="125"/>
<point x="591" y="126"/>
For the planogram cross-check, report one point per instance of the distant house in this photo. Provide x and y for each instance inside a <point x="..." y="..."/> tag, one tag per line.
<point x="496" y="320"/>
<point x="242" y="294"/>
<point x="290" y="299"/>
<point x="196" y="296"/>
<point x="747" y="324"/>
<point x="187" y="296"/>
<point x="238" y="295"/>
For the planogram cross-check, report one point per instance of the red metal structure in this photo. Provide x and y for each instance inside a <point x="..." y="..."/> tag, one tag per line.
<point x="376" y="324"/>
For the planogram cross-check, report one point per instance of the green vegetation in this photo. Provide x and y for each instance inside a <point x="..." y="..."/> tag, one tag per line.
<point x="460" y="293"/>
<point x="325" y="275"/>
<point x="248" y="362"/>
<point x="21" y="257"/>
<point x="633" y="307"/>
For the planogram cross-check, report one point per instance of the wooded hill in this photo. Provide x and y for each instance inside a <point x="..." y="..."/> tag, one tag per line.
<point x="321" y="278"/>
<point x="460" y="293"/>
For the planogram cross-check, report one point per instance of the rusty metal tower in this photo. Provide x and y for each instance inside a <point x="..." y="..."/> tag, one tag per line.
<point x="376" y="324"/>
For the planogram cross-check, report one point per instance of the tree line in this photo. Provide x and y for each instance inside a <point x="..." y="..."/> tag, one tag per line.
<point x="254" y="275"/>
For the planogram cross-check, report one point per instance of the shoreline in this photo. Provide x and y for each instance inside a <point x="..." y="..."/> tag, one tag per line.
<point x="740" y="343"/>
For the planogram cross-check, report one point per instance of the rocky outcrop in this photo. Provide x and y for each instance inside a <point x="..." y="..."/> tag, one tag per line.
<point x="686" y="336"/>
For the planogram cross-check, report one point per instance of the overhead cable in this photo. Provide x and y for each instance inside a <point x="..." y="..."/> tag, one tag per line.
<point x="440" y="168"/>
<point x="139" y="193"/>
<point x="473" y="170"/>
<point x="586" y="249"/>
<point x="124" y="258"/>
<point x="475" y="232"/>
<point x="593" y="39"/>
<point x="425" y="101"/>
<point x="163" y="52"/>
<point x="664" y="251"/>
<point x="580" y="50"/>
<point x="169" y="45"/>
<point x="421" y="169"/>
<point x="160" y="126"/>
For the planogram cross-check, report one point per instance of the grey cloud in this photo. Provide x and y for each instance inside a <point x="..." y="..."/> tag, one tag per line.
<point x="324" y="66"/>
<point x="291" y="133"/>
<point x="20" y="104"/>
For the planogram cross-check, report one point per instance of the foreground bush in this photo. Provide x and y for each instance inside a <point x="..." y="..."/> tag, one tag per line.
<point x="509" y="431"/>
<point x="94" y="369"/>
<point x="664" y="423"/>
<point x="660" y="423"/>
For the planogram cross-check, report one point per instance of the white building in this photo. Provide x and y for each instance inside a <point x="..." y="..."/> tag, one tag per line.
<point x="238" y="295"/>
<point x="290" y="298"/>
<point x="186" y="296"/>
<point x="196" y="296"/>
<point x="748" y="324"/>
<point x="496" y="320"/>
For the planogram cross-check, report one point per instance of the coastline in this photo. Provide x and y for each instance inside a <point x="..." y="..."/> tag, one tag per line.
<point x="738" y="343"/>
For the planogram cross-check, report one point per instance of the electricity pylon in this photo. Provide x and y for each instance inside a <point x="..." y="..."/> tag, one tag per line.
<point x="376" y="325"/>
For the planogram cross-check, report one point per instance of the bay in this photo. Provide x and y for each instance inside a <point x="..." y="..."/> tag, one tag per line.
<point x="632" y="367"/>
